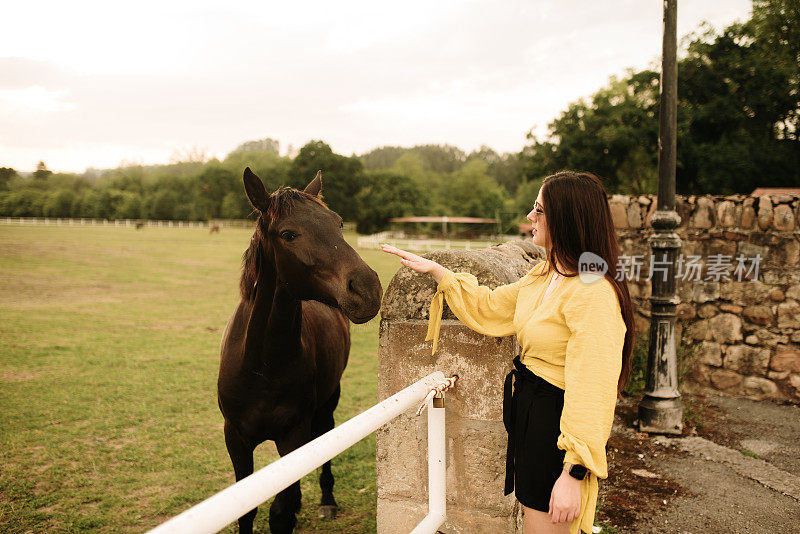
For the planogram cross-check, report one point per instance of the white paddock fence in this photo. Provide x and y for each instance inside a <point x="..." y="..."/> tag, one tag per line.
<point x="131" y="223"/>
<point x="228" y="505"/>
<point x="56" y="221"/>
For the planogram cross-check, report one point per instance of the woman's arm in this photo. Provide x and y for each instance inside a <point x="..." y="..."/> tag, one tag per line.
<point x="592" y="367"/>
<point x="417" y="263"/>
<point x="489" y="312"/>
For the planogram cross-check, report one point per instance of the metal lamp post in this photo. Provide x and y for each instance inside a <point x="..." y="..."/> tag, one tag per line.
<point x="661" y="411"/>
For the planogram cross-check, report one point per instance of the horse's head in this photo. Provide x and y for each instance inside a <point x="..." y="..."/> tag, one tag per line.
<point x="303" y="238"/>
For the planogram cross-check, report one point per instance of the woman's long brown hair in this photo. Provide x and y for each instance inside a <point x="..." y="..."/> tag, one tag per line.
<point x="579" y="220"/>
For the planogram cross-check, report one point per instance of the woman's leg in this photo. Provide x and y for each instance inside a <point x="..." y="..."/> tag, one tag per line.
<point x="537" y="522"/>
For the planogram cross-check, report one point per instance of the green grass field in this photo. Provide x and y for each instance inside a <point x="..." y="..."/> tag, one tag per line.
<point x="109" y="344"/>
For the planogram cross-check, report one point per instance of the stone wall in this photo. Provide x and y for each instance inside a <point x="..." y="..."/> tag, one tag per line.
<point x="476" y="438"/>
<point x="745" y="328"/>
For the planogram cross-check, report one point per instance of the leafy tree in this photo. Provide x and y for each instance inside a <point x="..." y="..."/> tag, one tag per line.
<point x="410" y="164"/>
<point x="777" y="25"/>
<point x="385" y="195"/>
<point x="379" y="159"/>
<point x="193" y="155"/>
<point x="73" y="182"/>
<point x="212" y="184"/>
<point x="609" y="135"/>
<point x="162" y="205"/>
<point x="6" y="174"/>
<point x="342" y="177"/>
<point x="431" y="165"/>
<point x="441" y="158"/>
<point x="183" y="188"/>
<point x="260" y="145"/>
<point x="526" y="196"/>
<point x="59" y="204"/>
<point x="738" y="115"/>
<point x="127" y="178"/>
<point x="42" y="172"/>
<point x="506" y="169"/>
<point x="740" y="106"/>
<point x="91" y="205"/>
<point x="129" y="206"/>
<point x="235" y="206"/>
<point x="23" y="203"/>
<point x="435" y="158"/>
<point x="485" y="153"/>
<point x="271" y="168"/>
<point x="471" y="192"/>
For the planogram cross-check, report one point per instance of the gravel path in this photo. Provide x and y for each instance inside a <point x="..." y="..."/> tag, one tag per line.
<point x="739" y="471"/>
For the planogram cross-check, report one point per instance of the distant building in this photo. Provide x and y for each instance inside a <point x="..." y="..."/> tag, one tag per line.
<point x="443" y="220"/>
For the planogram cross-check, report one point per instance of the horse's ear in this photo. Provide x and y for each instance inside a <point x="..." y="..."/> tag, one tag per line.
<point x="315" y="185"/>
<point x="255" y="190"/>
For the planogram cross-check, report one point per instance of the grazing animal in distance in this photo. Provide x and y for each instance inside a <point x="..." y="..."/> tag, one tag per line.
<point x="213" y="227"/>
<point x="285" y="348"/>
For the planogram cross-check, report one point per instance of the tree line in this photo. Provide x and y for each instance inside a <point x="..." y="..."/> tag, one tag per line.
<point x="738" y="128"/>
<point x="387" y="182"/>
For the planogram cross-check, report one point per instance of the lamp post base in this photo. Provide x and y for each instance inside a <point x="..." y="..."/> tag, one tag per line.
<point x="661" y="416"/>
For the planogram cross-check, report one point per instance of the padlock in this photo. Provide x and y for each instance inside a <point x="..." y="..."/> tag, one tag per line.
<point x="438" y="402"/>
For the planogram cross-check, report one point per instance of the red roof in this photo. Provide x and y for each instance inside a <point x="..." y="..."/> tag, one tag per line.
<point x="442" y="220"/>
<point x="757" y="192"/>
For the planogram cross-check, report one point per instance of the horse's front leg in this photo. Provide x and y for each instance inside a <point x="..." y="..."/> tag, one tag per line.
<point x="283" y="512"/>
<point x="241" y="453"/>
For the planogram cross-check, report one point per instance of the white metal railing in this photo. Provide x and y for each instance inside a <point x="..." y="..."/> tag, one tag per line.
<point x="228" y="505"/>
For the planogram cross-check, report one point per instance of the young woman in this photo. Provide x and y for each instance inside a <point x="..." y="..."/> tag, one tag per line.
<point x="576" y="334"/>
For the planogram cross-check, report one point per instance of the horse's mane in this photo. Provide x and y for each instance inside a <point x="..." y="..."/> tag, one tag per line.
<point x="281" y="202"/>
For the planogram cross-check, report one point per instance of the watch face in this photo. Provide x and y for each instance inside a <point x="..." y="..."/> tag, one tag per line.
<point x="578" y="471"/>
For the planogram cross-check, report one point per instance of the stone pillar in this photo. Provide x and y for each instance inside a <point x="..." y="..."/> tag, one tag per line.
<point x="476" y="438"/>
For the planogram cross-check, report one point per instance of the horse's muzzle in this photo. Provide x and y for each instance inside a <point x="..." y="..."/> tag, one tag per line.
<point x="362" y="300"/>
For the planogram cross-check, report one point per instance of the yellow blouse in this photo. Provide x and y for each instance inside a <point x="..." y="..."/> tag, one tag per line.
<point x="573" y="340"/>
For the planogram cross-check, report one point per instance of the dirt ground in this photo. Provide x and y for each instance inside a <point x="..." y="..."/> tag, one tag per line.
<point x="735" y="469"/>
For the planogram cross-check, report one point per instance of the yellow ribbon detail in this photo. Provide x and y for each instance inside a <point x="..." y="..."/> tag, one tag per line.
<point x="585" y="519"/>
<point x="435" y="319"/>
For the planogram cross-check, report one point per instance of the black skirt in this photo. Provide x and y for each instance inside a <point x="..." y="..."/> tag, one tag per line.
<point x="532" y="417"/>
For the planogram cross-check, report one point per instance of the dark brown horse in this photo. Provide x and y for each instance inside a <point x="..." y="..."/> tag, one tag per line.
<point x="286" y="345"/>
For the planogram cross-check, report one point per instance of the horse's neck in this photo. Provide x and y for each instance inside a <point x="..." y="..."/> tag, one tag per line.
<point x="273" y="328"/>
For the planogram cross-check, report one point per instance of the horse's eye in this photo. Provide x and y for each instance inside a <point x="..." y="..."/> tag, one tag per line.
<point x="288" y="235"/>
<point x="341" y="224"/>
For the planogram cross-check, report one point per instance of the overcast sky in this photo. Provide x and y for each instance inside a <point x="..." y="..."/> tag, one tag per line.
<point x="96" y="83"/>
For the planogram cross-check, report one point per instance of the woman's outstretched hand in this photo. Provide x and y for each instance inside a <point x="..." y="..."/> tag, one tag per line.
<point x="417" y="263"/>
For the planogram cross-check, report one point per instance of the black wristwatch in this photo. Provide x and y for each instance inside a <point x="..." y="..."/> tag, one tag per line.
<point x="575" y="470"/>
